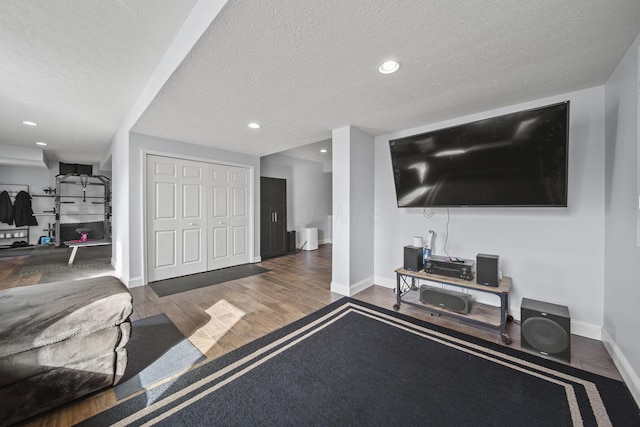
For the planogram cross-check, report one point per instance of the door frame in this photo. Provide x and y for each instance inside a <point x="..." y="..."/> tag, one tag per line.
<point x="145" y="225"/>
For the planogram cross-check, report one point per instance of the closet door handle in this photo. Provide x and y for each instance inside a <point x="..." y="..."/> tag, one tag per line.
<point x="276" y="215"/>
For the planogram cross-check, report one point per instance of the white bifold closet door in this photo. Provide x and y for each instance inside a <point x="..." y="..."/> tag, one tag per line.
<point x="176" y="217"/>
<point x="198" y="217"/>
<point x="228" y="216"/>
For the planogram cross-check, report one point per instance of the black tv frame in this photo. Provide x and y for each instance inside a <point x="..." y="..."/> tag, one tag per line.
<point x="558" y="200"/>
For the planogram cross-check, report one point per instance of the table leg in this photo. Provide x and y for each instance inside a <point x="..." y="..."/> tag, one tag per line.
<point x="396" y="306"/>
<point x="504" y="316"/>
<point x="73" y="255"/>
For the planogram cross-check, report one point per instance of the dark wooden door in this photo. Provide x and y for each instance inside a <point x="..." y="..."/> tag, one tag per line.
<point x="273" y="217"/>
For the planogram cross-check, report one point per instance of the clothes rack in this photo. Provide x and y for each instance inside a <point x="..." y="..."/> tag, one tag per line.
<point x="10" y="235"/>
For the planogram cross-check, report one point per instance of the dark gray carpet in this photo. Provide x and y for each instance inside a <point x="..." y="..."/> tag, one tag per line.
<point x="356" y="364"/>
<point x="48" y="258"/>
<point x="194" y="281"/>
<point x="157" y="349"/>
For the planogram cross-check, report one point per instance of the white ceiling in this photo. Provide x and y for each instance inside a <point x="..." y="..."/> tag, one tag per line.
<point x="300" y="68"/>
<point x="76" y="67"/>
<point x="320" y="152"/>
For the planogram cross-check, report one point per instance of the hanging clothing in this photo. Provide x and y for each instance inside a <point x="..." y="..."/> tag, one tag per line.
<point x="6" y="208"/>
<point x="22" y="212"/>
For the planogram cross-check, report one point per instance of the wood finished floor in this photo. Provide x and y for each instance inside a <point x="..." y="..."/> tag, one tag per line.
<point x="220" y="318"/>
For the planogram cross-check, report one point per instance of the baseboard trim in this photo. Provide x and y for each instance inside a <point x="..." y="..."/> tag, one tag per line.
<point x="383" y="281"/>
<point x="339" y="288"/>
<point x="350" y="290"/>
<point x="361" y="285"/>
<point x="629" y="376"/>
<point x="134" y="282"/>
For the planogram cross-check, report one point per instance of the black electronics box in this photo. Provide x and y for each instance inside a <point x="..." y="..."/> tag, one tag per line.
<point x="413" y="258"/>
<point x="67" y="168"/>
<point x="291" y="242"/>
<point x="451" y="267"/>
<point x="487" y="270"/>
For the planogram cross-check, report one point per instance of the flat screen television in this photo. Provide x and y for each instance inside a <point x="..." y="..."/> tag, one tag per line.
<point x="518" y="159"/>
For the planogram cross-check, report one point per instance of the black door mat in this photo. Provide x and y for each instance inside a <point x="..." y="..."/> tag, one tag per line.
<point x="195" y="281"/>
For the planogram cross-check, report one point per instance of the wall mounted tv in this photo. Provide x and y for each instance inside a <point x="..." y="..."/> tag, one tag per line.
<point x="518" y="159"/>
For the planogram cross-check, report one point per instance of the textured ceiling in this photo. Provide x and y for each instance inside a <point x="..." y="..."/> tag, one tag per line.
<point x="299" y="67"/>
<point x="76" y="67"/>
<point x="302" y="68"/>
<point x="320" y="152"/>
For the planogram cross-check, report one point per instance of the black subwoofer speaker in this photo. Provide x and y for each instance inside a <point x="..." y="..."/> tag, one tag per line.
<point x="546" y="328"/>
<point x="444" y="298"/>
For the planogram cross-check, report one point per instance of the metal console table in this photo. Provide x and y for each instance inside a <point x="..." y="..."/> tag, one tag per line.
<point x="407" y="295"/>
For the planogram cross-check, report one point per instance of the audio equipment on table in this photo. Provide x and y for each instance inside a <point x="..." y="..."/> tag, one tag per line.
<point x="451" y="267"/>
<point x="487" y="270"/>
<point x="444" y="298"/>
<point x="413" y="258"/>
<point x="546" y="328"/>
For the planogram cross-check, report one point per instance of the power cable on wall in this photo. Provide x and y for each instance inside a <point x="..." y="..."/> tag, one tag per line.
<point x="446" y="239"/>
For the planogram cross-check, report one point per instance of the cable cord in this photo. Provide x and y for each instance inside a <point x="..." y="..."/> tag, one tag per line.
<point x="427" y="214"/>
<point x="446" y="239"/>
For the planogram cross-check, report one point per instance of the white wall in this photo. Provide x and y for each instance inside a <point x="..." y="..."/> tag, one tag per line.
<point x="120" y="167"/>
<point x="39" y="178"/>
<point x="340" y="187"/>
<point x="353" y="197"/>
<point x="138" y="143"/>
<point x="308" y="193"/>
<point x="361" y="210"/>
<point x="552" y="254"/>
<point x="622" y="255"/>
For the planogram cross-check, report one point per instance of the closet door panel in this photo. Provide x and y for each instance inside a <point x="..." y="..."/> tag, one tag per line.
<point x="220" y="202"/>
<point x="175" y="225"/>
<point x="220" y="247"/>
<point x="192" y="202"/>
<point x="240" y="238"/>
<point x="191" y="243"/>
<point x="163" y="240"/>
<point x="165" y="206"/>
<point x="229" y="210"/>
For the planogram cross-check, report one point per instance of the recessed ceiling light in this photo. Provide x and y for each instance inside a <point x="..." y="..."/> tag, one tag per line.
<point x="28" y="123"/>
<point x="41" y="143"/>
<point x="388" y="67"/>
<point x="324" y="150"/>
<point x="254" y="125"/>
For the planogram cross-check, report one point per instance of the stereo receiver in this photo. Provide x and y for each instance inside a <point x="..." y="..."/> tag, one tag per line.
<point x="451" y="267"/>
